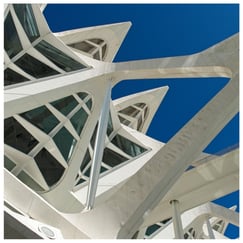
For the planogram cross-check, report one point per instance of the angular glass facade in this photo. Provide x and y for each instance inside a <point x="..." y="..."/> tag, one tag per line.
<point x="59" y="58"/>
<point x="12" y="44"/>
<point x="42" y="118"/>
<point x="65" y="143"/>
<point x="27" y="19"/>
<point x="65" y="105"/>
<point x="11" y="77"/>
<point x="34" y="67"/>
<point x="50" y="168"/>
<point x="127" y="146"/>
<point x="16" y="136"/>
<point x="79" y="119"/>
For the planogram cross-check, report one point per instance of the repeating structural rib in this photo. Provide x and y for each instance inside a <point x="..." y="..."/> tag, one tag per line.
<point x="133" y="202"/>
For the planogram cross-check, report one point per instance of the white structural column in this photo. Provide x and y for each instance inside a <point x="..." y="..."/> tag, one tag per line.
<point x="178" y="229"/>
<point x="210" y="230"/>
<point x="98" y="150"/>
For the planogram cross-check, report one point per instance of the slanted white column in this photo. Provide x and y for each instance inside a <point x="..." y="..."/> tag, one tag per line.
<point x="210" y="230"/>
<point x="98" y="150"/>
<point x="179" y="234"/>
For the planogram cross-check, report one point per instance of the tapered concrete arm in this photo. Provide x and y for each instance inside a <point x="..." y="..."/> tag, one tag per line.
<point x="213" y="62"/>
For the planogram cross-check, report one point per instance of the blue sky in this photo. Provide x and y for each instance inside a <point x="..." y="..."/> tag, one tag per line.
<point x="162" y="30"/>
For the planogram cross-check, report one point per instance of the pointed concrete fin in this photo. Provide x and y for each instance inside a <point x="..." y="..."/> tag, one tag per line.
<point x="152" y="98"/>
<point x="42" y="6"/>
<point x="112" y="34"/>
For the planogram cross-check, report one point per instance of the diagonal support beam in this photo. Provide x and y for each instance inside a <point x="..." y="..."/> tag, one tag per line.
<point x="98" y="150"/>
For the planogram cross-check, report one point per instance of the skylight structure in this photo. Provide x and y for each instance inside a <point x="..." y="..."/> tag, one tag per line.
<point x="74" y="157"/>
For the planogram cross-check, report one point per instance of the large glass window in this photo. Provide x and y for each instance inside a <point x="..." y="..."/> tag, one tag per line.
<point x="65" y="143"/>
<point x="62" y="60"/>
<point x="65" y="105"/>
<point x="79" y="119"/>
<point x="12" y="43"/>
<point x="49" y="167"/>
<point x="12" y="77"/>
<point x="42" y="118"/>
<point x="16" y="136"/>
<point x="27" y="19"/>
<point x="112" y="158"/>
<point x="34" y="67"/>
<point x="127" y="146"/>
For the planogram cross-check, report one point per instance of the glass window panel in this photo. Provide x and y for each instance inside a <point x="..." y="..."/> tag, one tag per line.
<point x="127" y="146"/>
<point x="97" y="55"/>
<point x="12" y="43"/>
<point x="83" y="46"/>
<point x="109" y="126"/>
<point x="87" y="172"/>
<point x="49" y="167"/>
<point x="85" y="161"/>
<point x="112" y="158"/>
<point x="92" y="140"/>
<point x="89" y="104"/>
<point x="65" y="142"/>
<point x="103" y="51"/>
<point x="79" y="119"/>
<point x="80" y="181"/>
<point x="123" y="120"/>
<point x="140" y="123"/>
<point x="130" y="111"/>
<point x="27" y="19"/>
<point x="151" y="229"/>
<point x="16" y="136"/>
<point x="103" y="169"/>
<point x="27" y="180"/>
<point x="145" y="112"/>
<point x="58" y="57"/>
<point x="65" y="105"/>
<point x="165" y="221"/>
<point x="8" y="163"/>
<point x="82" y="95"/>
<point x="34" y="67"/>
<point x="12" y="77"/>
<point x="42" y="118"/>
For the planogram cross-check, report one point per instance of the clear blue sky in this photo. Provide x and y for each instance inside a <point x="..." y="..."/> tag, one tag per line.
<point x="162" y="30"/>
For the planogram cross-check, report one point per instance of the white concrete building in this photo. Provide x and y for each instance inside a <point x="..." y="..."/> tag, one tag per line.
<point x="79" y="165"/>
